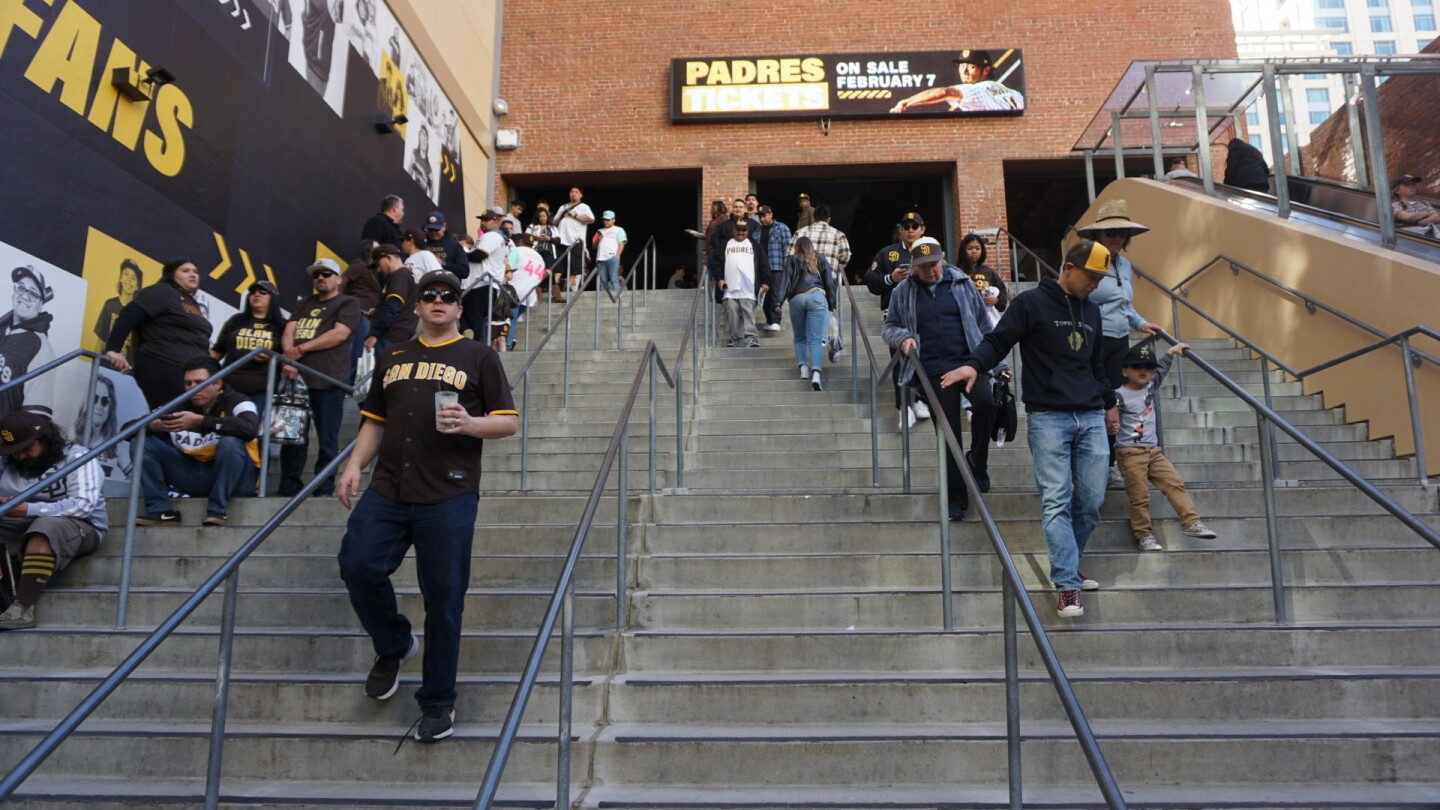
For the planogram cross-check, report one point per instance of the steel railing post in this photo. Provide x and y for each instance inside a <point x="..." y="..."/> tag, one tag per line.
<point x="1012" y="694"/>
<point x="1117" y="145"/>
<point x="1157" y="147"/>
<point x="679" y="428"/>
<point x="854" y="355"/>
<point x="905" y="395"/>
<point x="221" y="708"/>
<point x="598" y="283"/>
<point x="266" y="409"/>
<point x="525" y="431"/>
<point x="1277" y="147"/>
<point x="1175" y="330"/>
<point x="620" y="297"/>
<point x="1418" y="432"/>
<point x="874" y="432"/>
<point x="947" y="606"/>
<point x="1202" y="130"/>
<point x="565" y="385"/>
<point x="1268" y="434"/>
<point x="694" y="367"/>
<point x="127" y="557"/>
<point x="89" y="432"/>
<point x="1272" y="529"/>
<point x="654" y="419"/>
<point x="622" y="490"/>
<point x="567" y="697"/>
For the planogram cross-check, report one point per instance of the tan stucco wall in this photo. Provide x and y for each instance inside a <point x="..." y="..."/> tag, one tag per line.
<point x="458" y="43"/>
<point x="1379" y="287"/>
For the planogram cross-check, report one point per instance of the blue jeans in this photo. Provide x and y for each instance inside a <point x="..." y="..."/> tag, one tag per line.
<point x="230" y="473"/>
<point x="609" y="273"/>
<point x="515" y="313"/>
<point x="377" y="536"/>
<point x="1070" y="455"/>
<point x="810" y="321"/>
<point x="327" y="407"/>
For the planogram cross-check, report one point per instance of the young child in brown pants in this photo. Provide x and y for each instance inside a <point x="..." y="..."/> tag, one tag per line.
<point x="1137" y="451"/>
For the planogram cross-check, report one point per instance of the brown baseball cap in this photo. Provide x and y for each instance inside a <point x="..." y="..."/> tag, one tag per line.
<point x="19" y="430"/>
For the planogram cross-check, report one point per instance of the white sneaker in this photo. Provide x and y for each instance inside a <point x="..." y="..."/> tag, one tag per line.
<point x="922" y="411"/>
<point x="1115" y="480"/>
<point x="804" y="372"/>
<point x="1198" y="529"/>
<point x="815" y="380"/>
<point x="907" y="419"/>
<point x="772" y="327"/>
<point x="1147" y="542"/>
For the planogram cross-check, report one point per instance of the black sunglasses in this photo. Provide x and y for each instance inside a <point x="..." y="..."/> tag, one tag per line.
<point x="1115" y="232"/>
<point x="103" y="399"/>
<point x="324" y="274"/>
<point x="258" y="289"/>
<point x="911" y="227"/>
<point x="443" y="296"/>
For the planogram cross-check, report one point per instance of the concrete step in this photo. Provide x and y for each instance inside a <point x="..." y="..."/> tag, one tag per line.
<point x="50" y="651"/>
<point x="868" y="609"/>
<point x="972" y="753"/>
<point x="321" y="608"/>
<point x="361" y="751"/>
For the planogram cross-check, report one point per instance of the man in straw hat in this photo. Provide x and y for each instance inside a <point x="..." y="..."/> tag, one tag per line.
<point x="1114" y="229"/>
<point x="1068" y="402"/>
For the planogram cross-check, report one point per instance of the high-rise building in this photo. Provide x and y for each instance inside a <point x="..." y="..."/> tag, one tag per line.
<point x="1321" y="28"/>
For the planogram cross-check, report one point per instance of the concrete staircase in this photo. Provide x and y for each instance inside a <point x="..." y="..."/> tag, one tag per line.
<point x="783" y="646"/>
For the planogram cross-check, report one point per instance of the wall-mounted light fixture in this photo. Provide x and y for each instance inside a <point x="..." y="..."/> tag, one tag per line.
<point x="123" y="80"/>
<point x="385" y="124"/>
<point x="507" y="140"/>
<point x="501" y="107"/>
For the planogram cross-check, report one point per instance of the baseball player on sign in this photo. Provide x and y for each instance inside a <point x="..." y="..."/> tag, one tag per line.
<point x="434" y="400"/>
<point x="976" y="92"/>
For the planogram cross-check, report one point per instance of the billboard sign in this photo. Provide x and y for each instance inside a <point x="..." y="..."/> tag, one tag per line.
<point x="928" y="84"/>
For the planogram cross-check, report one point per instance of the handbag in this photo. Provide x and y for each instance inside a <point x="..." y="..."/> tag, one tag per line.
<point x="290" y="413"/>
<point x="834" y="342"/>
<point x="364" y="369"/>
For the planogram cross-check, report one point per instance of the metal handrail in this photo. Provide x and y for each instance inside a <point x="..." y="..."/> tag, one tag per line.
<point x="1266" y="418"/>
<point x="228" y="571"/>
<point x="1014" y="243"/>
<point x="688" y="340"/>
<point x="1413" y="356"/>
<point x="561" y="607"/>
<point x="1014" y="593"/>
<point x="95" y="360"/>
<point x="138" y="450"/>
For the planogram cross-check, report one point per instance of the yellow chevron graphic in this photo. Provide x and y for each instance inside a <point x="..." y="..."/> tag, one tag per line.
<point x="858" y="94"/>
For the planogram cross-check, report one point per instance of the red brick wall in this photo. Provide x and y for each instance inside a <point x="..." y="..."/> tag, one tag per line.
<point x="1409" y="110"/>
<point x="605" y="104"/>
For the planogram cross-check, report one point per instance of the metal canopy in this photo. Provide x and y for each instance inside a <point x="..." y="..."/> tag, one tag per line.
<point x="1162" y="107"/>
<point x="1175" y="100"/>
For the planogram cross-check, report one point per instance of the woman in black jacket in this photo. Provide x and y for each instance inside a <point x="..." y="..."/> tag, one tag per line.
<point x="810" y="288"/>
<point x="170" y="330"/>
<point x="972" y="264"/>
<point x="1245" y="167"/>
<point x="258" y="327"/>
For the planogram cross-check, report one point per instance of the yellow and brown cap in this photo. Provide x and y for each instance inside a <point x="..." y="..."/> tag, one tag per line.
<point x="1090" y="256"/>
<point x="913" y="217"/>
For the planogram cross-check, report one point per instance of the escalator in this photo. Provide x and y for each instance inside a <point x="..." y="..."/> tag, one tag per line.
<point x="1342" y="210"/>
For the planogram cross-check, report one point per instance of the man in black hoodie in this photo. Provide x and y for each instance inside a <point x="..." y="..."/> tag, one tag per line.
<point x="1068" y="402"/>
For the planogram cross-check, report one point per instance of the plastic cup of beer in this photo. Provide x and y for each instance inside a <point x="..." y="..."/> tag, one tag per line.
<point x="443" y="398"/>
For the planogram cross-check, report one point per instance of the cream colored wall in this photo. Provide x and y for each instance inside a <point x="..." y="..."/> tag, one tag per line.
<point x="458" y="41"/>
<point x="1379" y="287"/>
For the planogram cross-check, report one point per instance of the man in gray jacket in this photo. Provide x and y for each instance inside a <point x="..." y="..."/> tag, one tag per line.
<point x="938" y="308"/>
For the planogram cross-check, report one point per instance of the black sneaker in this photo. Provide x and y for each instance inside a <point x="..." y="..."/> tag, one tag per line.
<point x="436" y="725"/>
<point x="957" y="512"/>
<point x="384" y="678"/>
<point x="167" y="518"/>
<point x="982" y="477"/>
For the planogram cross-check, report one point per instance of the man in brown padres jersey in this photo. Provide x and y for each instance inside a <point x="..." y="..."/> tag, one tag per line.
<point x="423" y="493"/>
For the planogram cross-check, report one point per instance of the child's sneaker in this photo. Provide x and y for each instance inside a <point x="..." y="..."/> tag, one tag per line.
<point x="1147" y="542"/>
<point x="1198" y="529"/>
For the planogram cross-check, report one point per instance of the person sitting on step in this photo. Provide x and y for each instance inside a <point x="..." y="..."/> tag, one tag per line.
<point x="57" y="525"/>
